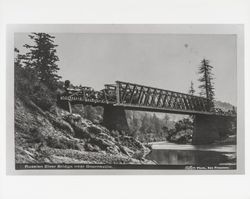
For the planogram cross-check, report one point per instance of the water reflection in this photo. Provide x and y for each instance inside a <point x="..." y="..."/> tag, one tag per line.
<point x="195" y="156"/>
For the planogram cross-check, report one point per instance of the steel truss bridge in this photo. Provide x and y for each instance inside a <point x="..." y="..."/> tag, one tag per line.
<point x="139" y="97"/>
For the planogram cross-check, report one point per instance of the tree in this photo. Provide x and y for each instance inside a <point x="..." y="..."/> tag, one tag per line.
<point x="90" y="113"/>
<point x="165" y="119"/>
<point x="135" y="125"/>
<point x="183" y="124"/>
<point x="24" y="77"/>
<point x="157" y="126"/>
<point x="18" y="68"/>
<point x="42" y="58"/>
<point x="191" y="89"/>
<point x="206" y="79"/>
<point x="145" y="123"/>
<point x="18" y="59"/>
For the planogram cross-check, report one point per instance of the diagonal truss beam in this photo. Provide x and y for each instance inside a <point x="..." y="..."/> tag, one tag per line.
<point x="140" y="95"/>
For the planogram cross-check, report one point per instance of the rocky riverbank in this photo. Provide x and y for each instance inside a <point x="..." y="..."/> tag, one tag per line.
<point x="57" y="136"/>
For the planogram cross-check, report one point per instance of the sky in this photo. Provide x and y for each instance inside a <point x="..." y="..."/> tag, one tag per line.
<point x="167" y="61"/>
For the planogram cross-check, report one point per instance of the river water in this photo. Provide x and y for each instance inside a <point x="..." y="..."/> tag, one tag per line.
<point x="166" y="153"/>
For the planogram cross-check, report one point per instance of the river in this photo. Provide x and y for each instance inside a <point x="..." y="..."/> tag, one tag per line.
<point x="167" y="153"/>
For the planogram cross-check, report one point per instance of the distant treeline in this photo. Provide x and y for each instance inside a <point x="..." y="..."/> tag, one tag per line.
<point x="148" y="127"/>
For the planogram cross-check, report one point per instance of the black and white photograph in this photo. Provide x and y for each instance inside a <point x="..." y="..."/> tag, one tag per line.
<point x="125" y="100"/>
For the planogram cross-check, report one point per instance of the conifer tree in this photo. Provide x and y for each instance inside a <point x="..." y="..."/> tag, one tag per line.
<point x="42" y="58"/>
<point x="206" y="80"/>
<point x="191" y="89"/>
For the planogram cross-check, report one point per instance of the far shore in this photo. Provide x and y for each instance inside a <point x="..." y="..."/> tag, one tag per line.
<point x="159" y="142"/>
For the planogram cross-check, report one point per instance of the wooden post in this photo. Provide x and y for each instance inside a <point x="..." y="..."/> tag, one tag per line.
<point x="117" y="93"/>
<point x="69" y="107"/>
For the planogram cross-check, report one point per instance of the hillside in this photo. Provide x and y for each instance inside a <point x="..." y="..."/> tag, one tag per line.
<point x="56" y="136"/>
<point x="224" y="106"/>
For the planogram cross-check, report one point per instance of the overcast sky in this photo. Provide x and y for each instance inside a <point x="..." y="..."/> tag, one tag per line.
<point x="168" y="61"/>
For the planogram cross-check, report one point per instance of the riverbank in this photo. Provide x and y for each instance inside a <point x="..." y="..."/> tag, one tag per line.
<point x="212" y="147"/>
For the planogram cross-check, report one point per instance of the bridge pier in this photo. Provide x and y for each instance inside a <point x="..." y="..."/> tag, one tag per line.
<point x="209" y="128"/>
<point x="114" y="118"/>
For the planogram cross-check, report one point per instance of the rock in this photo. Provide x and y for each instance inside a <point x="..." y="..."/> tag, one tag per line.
<point x="103" y="144"/>
<point x="131" y="143"/>
<point x="81" y="133"/>
<point x="60" y="123"/>
<point x="74" y="119"/>
<point x="138" y="155"/>
<point x="80" y="146"/>
<point x="95" y="130"/>
<point x="96" y="148"/>
<point x="90" y="147"/>
<point x="113" y="150"/>
<point x="126" y="151"/>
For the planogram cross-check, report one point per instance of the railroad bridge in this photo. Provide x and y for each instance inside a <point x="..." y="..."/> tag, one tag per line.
<point x="209" y="123"/>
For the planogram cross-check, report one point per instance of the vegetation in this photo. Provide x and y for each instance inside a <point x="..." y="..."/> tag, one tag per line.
<point x="94" y="114"/>
<point x="182" y="132"/>
<point x="206" y="80"/>
<point x="42" y="58"/>
<point x="36" y="76"/>
<point x="148" y="127"/>
<point x="191" y="90"/>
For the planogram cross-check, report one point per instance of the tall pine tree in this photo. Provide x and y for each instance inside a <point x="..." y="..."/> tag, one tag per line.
<point x="191" y="89"/>
<point x="206" y="80"/>
<point x="42" y="58"/>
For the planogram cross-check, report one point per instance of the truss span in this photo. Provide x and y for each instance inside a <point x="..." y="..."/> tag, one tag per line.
<point x="139" y="97"/>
